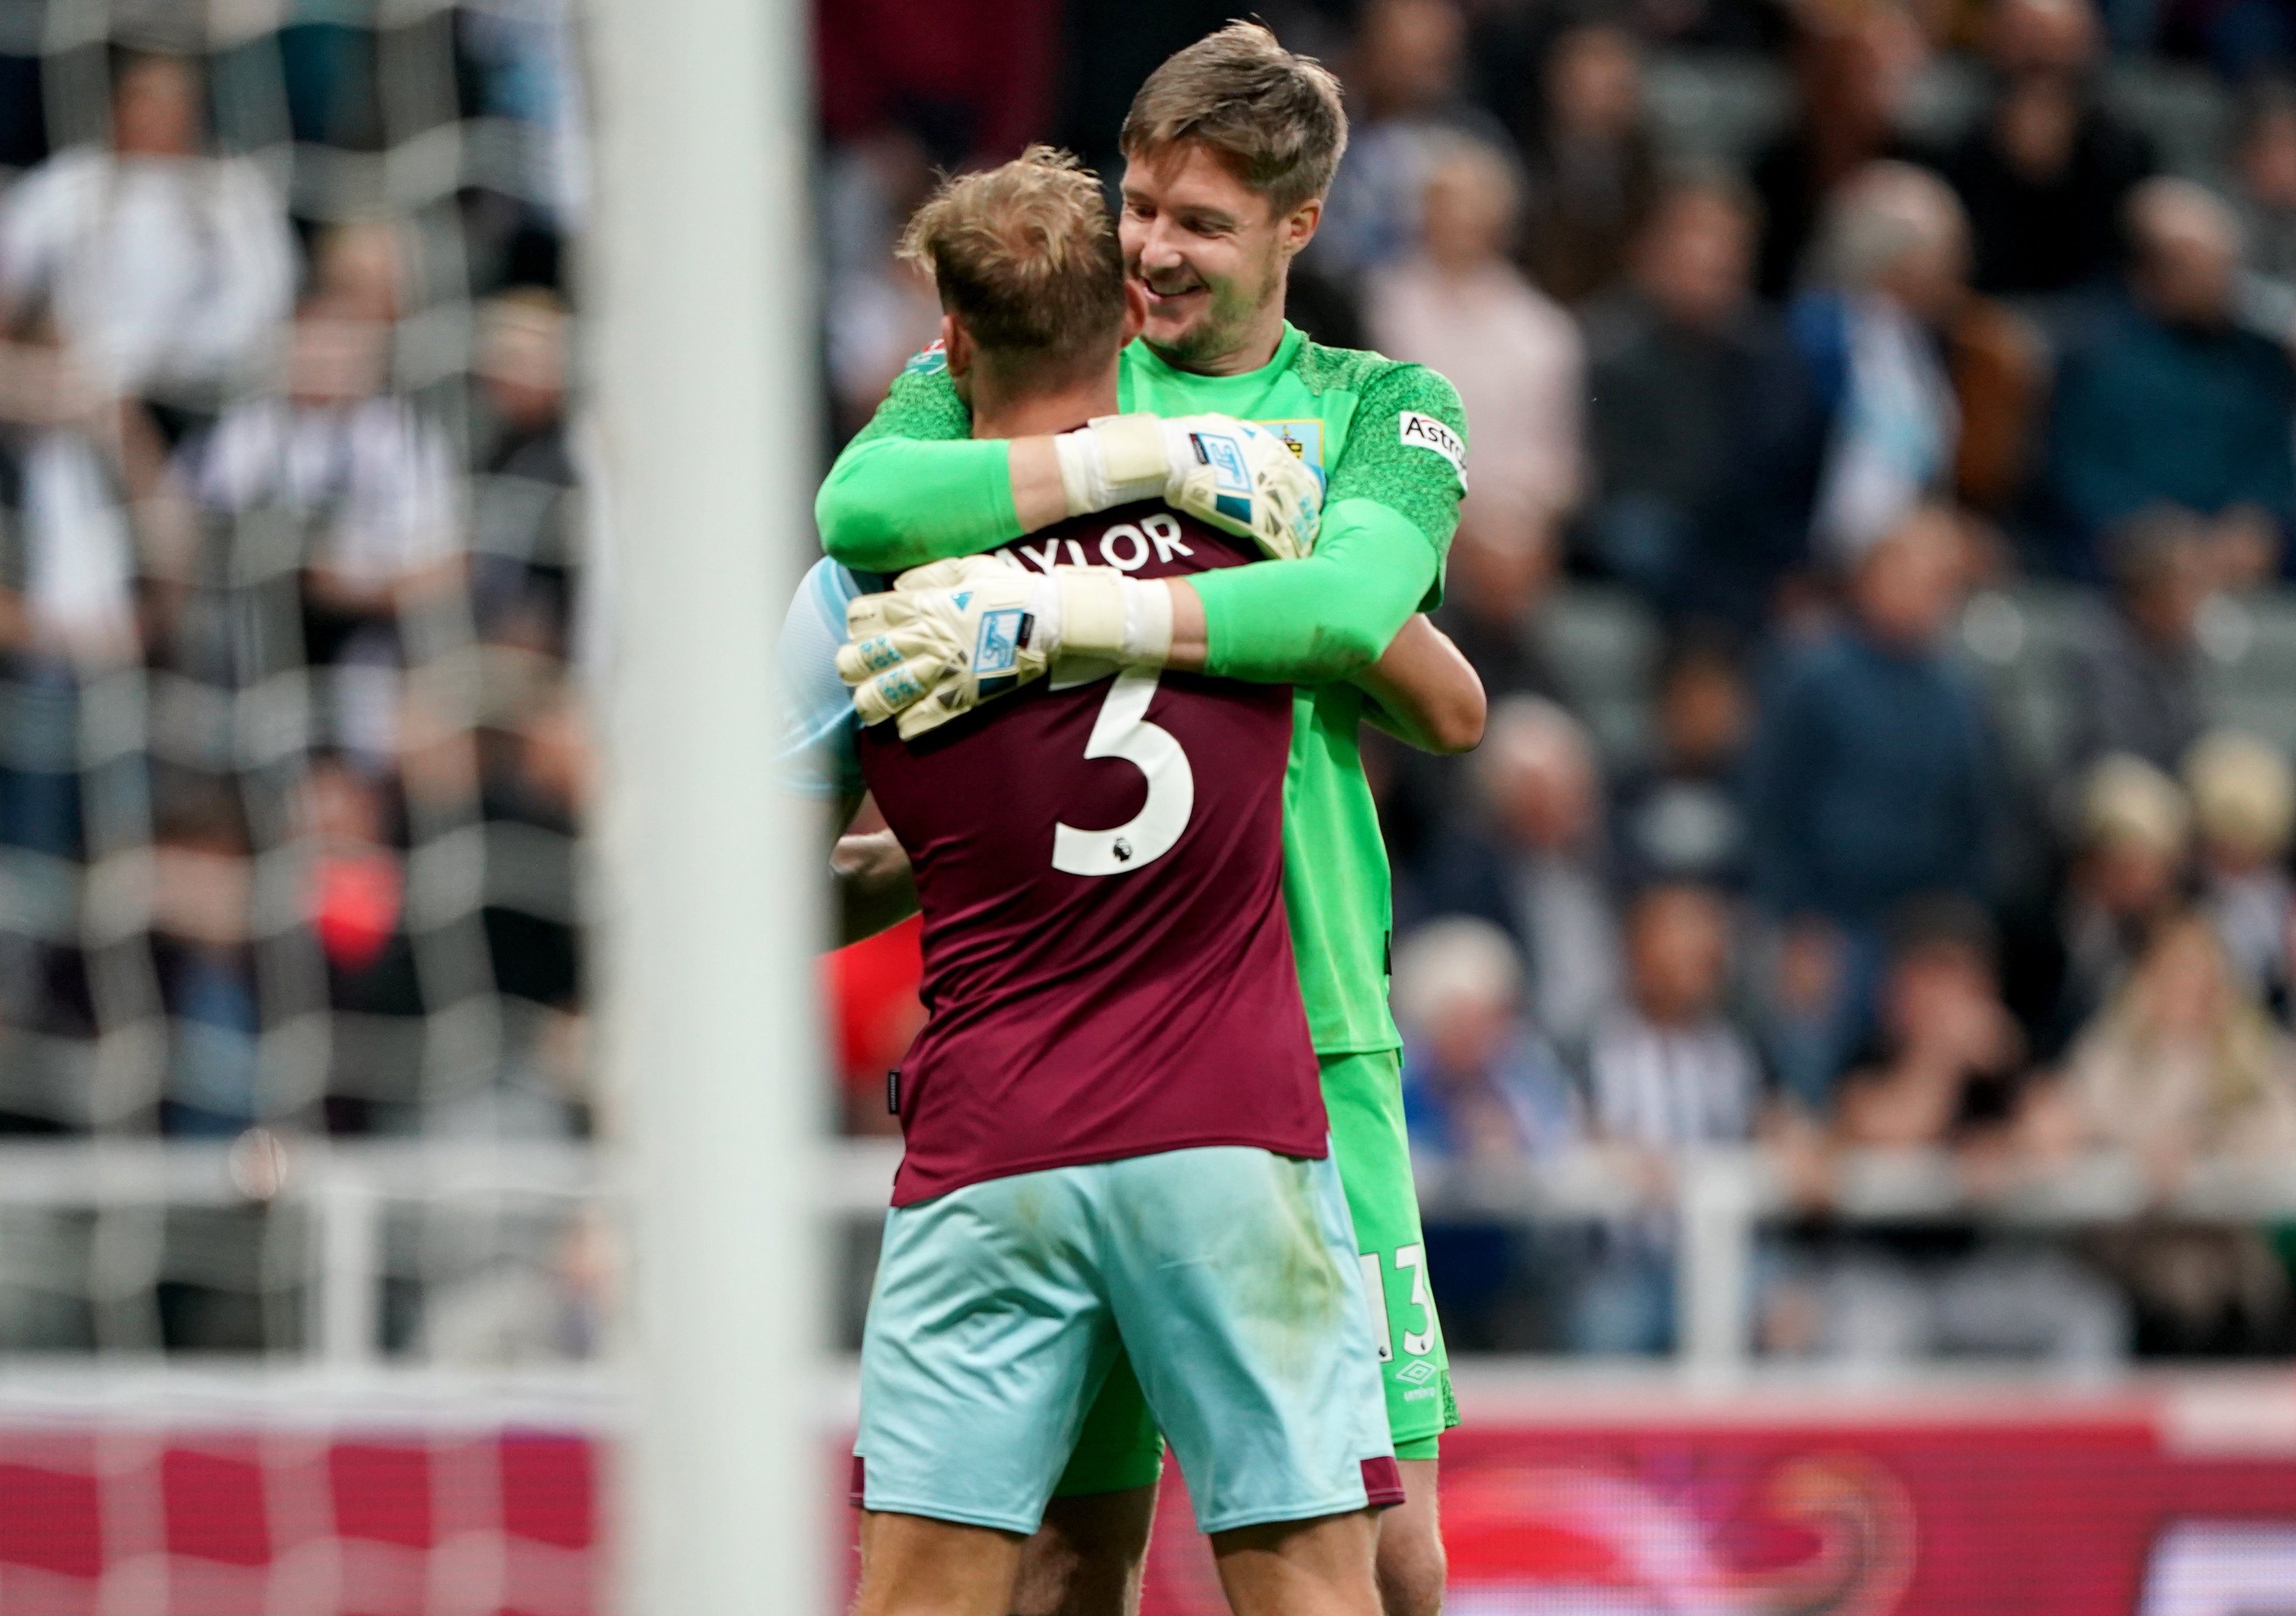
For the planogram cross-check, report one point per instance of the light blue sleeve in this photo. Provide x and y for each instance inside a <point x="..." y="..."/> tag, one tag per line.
<point x="818" y="754"/>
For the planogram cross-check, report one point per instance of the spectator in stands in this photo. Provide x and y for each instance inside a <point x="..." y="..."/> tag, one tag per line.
<point x="1702" y="428"/>
<point x="1851" y="66"/>
<point x="2173" y="403"/>
<point x="1891" y="272"/>
<point x="1407" y="103"/>
<point x="1495" y="583"/>
<point x="168" y="272"/>
<point x="535" y="768"/>
<point x="2244" y="807"/>
<point x="2264" y="167"/>
<point x="1948" y="1059"/>
<point x="2127" y="875"/>
<point x="1999" y="361"/>
<point x="2182" y="1063"/>
<point x="365" y="269"/>
<point x="1594" y="168"/>
<point x="1535" y="864"/>
<point x="354" y="463"/>
<point x="1668" y="1073"/>
<point x="1478" y="1081"/>
<point x="2133" y="683"/>
<point x="1482" y="1089"/>
<point x="66" y="589"/>
<point x="2045" y="172"/>
<point x="984" y="72"/>
<point x="878" y="310"/>
<point x="1667" y="1069"/>
<point x="203" y="956"/>
<point x="1683" y="817"/>
<point x="1871" y="767"/>
<point x="1872" y="779"/>
<point x="1946" y="1071"/>
<point x="354" y="902"/>
<point x="527" y="518"/>
<point x="1461" y="306"/>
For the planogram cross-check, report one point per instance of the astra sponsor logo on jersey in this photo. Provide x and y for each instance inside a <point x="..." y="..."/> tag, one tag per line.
<point x="1125" y="546"/>
<point x="1420" y="432"/>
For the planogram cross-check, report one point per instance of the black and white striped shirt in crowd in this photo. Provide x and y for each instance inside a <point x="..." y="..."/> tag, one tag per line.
<point x="1664" y="1087"/>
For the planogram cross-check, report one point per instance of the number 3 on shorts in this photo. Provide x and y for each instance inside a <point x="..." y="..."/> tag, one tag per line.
<point x="1416" y="1343"/>
<point x="1123" y="731"/>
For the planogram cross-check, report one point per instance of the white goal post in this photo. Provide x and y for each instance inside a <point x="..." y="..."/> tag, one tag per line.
<point x="700" y="273"/>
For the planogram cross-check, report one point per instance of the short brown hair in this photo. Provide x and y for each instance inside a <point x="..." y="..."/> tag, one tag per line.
<point x="1273" y="116"/>
<point x="1026" y="256"/>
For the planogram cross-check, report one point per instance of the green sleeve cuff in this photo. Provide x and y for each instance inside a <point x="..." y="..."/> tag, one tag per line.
<point x="1327" y="617"/>
<point x="892" y="503"/>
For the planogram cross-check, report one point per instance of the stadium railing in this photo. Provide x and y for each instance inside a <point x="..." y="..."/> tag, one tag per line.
<point x="355" y="1237"/>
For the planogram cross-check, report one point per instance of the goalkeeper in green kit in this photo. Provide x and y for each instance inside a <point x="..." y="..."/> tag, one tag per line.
<point x="1230" y="147"/>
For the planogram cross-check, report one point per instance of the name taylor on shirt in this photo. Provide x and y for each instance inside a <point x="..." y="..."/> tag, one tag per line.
<point x="1124" y="546"/>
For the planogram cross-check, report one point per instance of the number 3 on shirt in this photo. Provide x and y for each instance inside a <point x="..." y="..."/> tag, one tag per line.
<point x="1123" y="731"/>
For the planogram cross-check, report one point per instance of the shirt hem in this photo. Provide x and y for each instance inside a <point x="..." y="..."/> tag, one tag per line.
<point x="1314" y="1151"/>
<point x="1349" y="1047"/>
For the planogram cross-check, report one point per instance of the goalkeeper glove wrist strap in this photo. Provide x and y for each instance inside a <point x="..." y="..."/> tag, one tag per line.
<point x="1111" y="462"/>
<point x="1105" y="614"/>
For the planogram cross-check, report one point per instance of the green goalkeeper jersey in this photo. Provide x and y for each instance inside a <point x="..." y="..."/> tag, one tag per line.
<point x="1389" y="441"/>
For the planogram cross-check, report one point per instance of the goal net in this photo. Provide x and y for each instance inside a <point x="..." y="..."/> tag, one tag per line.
<point x="316" y="1204"/>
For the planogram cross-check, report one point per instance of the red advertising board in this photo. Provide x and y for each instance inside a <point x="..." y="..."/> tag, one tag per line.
<point x="1561" y="1499"/>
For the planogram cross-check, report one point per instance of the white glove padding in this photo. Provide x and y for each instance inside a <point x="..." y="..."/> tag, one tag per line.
<point x="952" y="634"/>
<point x="1239" y="477"/>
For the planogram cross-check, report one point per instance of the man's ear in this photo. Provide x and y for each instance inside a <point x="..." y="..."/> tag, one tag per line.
<point x="1299" y="228"/>
<point x="1136" y="310"/>
<point x="956" y="344"/>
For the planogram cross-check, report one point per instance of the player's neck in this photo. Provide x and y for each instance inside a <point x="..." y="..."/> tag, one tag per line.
<point x="1261" y="339"/>
<point x="1031" y="412"/>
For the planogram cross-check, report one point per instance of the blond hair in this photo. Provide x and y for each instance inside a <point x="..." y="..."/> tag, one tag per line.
<point x="1026" y="257"/>
<point x="1275" y="117"/>
<point x="2243" y="793"/>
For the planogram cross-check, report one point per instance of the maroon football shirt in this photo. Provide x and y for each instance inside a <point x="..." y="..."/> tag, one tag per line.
<point x="1107" y="967"/>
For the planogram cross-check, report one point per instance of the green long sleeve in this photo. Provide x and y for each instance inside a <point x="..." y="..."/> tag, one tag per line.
<point x="915" y="486"/>
<point x="898" y="502"/>
<point x="1327" y="617"/>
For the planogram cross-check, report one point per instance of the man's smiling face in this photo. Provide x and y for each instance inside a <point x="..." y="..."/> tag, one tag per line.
<point x="1208" y="250"/>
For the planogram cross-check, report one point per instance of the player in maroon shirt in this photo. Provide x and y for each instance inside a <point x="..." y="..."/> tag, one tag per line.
<point x="1100" y="862"/>
<point x="1115" y="1129"/>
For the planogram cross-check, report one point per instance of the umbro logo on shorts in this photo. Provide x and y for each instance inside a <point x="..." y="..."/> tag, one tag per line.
<point x="1418" y="1373"/>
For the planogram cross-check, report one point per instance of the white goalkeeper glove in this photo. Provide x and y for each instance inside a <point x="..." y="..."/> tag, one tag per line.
<point x="1240" y="477"/>
<point x="957" y="633"/>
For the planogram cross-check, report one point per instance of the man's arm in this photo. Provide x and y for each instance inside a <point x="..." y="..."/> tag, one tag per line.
<point x="893" y="502"/>
<point x="816" y="756"/>
<point x="1389" y="514"/>
<point x="1427" y="692"/>
<point x="914" y="485"/>
<point x="875" y="886"/>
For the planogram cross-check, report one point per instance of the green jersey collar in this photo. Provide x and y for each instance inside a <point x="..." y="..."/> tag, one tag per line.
<point x="1250" y="382"/>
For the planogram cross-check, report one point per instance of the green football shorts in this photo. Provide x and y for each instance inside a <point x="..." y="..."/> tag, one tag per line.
<point x="1118" y="1447"/>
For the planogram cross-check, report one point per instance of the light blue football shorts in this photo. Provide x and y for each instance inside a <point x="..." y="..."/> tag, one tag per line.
<point x="1227" y="1275"/>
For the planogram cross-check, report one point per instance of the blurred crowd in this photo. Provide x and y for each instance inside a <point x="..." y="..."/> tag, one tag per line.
<point x="296" y="592"/>
<point x="1879" y="507"/>
<point x="1881" y="427"/>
